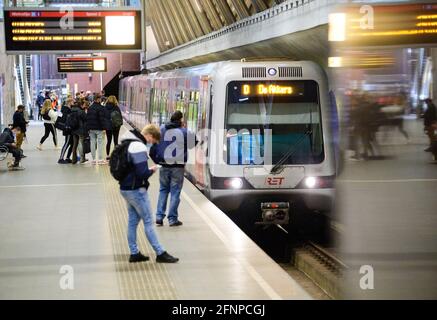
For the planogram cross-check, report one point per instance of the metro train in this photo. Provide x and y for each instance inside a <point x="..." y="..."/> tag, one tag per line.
<point x="264" y="131"/>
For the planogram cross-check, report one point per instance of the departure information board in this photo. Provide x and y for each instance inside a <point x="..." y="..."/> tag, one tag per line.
<point x="390" y="25"/>
<point x="82" y="64"/>
<point x="81" y="30"/>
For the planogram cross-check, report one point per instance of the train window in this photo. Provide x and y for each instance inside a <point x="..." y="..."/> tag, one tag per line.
<point x="155" y="108"/>
<point x="152" y="105"/>
<point x="146" y="103"/>
<point x="163" y="116"/>
<point x="180" y="102"/>
<point x="290" y="109"/>
<point x="193" y="111"/>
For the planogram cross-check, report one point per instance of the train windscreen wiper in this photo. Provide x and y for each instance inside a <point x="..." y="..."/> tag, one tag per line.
<point x="291" y="151"/>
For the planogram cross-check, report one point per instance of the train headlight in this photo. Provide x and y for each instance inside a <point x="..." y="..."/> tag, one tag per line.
<point x="272" y="72"/>
<point x="311" y="182"/>
<point x="234" y="183"/>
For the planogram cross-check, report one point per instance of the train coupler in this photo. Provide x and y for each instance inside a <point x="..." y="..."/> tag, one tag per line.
<point x="275" y="213"/>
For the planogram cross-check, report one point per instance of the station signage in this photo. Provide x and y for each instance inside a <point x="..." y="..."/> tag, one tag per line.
<point x="82" y="64"/>
<point x="36" y="30"/>
<point x="386" y="25"/>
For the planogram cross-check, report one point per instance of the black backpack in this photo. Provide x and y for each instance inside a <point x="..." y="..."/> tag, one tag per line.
<point x="46" y="116"/>
<point x="116" y="119"/>
<point x="119" y="162"/>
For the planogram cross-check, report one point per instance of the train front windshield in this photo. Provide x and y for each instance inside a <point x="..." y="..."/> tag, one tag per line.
<point x="289" y="109"/>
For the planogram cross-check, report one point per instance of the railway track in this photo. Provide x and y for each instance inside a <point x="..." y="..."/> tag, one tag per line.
<point x="321" y="266"/>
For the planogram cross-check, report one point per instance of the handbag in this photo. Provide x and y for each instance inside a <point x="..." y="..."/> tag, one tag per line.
<point x="87" y="145"/>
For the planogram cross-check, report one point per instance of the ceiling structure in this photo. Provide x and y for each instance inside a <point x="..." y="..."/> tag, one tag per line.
<point x="175" y="22"/>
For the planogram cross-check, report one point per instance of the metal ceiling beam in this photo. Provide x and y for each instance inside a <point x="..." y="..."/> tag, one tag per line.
<point x="168" y="20"/>
<point x="211" y="13"/>
<point x="259" y="5"/>
<point x="161" y="24"/>
<point x="240" y="8"/>
<point x="201" y="16"/>
<point x="190" y="19"/>
<point x="160" y="37"/>
<point x="226" y="11"/>
<point x="175" y="12"/>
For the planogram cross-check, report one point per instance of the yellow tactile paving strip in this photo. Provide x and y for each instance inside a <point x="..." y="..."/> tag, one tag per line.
<point x="144" y="281"/>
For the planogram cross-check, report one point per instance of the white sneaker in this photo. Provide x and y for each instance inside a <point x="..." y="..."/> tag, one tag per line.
<point x="39" y="148"/>
<point x="103" y="162"/>
<point x="93" y="162"/>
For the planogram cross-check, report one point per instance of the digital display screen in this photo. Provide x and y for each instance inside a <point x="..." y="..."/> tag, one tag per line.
<point x="385" y="25"/>
<point x="82" y="64"/>
<point x="81" y="30"/>
<point x="270" y="89"/>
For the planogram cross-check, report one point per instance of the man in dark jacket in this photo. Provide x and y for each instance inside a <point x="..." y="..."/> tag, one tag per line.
<point x="20" y="122"/>
<point x="430" y="121"/>
<point x="7" y="141"/>
<point x="96" y="123"/>
<point x="78" y="131"/>
<point x="67" y="148"/>
<point x="172" y="154"/>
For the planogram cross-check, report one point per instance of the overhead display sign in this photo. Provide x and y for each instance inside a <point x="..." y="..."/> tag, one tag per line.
<point x="82" y="64"/>
<point x="37" y="30"/>
<point x="385" y="25"/>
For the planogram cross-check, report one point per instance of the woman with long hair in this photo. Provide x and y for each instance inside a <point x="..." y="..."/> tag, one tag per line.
<point x="115" y="121"/>
<point x="49" y="116"/>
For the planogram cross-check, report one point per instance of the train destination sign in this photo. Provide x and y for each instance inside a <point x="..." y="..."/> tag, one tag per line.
<point x="82" y="64"/>
<point x="82" y="30"/>
<point x="271" y="89"/>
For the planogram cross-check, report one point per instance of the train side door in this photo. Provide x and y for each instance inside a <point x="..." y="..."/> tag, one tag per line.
<point x="204" y="126"/>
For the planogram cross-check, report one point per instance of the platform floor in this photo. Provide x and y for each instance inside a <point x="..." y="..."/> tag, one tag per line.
<point x="54" y="216"/>
<point x="388" y="210"/>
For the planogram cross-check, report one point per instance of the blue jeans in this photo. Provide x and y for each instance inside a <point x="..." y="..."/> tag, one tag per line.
<point x="171" y="181"/>
<point x="138" y="207"/>
<point x="97" y="144"/>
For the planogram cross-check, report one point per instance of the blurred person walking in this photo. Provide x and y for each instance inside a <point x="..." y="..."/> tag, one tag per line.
<point x="49" y="116"/>
<point x="430" y="121"/>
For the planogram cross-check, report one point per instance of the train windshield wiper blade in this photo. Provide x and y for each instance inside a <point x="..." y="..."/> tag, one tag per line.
<point x="291" y="151"/>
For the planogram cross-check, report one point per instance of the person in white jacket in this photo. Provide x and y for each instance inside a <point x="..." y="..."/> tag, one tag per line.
<point x="49" y="116"/>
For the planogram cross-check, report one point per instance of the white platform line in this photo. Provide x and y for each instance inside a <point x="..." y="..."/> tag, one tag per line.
<point x="91" y="184"/>
<point x="250" y="269"/>
<point x="387" y="181"/>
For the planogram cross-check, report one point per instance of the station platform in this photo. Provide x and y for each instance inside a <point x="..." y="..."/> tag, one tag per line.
<point x="62" y="217"/>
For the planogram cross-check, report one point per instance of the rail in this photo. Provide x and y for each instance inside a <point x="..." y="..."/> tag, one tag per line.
<point x="325" y="255"/>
